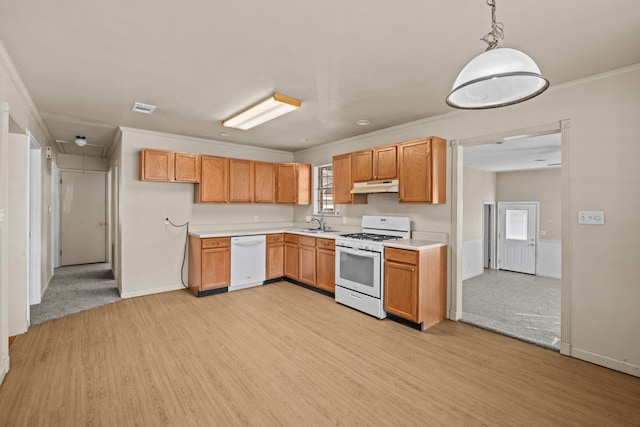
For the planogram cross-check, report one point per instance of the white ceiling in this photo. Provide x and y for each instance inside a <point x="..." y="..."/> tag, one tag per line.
<point x="86" y="62"/>
<point x="536" y="152"/>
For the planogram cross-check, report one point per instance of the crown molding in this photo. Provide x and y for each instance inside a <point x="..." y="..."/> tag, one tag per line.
<point x="14" y="76"/>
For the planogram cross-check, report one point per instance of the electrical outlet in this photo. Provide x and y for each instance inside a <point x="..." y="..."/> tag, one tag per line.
<point x="344" y="219"/>
<point x="591" y="217"/>
<point x="256" y="218"/>
<point x="166" y="221"/>
<point x="307" y="218"/>
<point x="2" y="215"/>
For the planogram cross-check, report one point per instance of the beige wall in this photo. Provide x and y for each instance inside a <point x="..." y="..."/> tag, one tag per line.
<point x="479" y="187"/>
<point x="542" y="186"/>
<point x="19" y="117"/>
<point x="600" y="288"/>
<point x="151" y="252"/>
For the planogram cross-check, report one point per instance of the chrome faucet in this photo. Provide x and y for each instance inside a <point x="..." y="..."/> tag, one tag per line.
<point x="321" y="225"/>
<point x="320" y="222"/>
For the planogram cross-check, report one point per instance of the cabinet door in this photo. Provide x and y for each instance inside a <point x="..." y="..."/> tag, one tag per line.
<point x="215" y="268"/>
<point x="307" y="264"/>
<point x="415" y="172"/>
<point x="275" y="261"/>
<point x="362" y="166"/>
<point x="264" y="182"/>
<point x="287" y="183"/>
<point x="401" y="290"/>
<point x="385" y="163"/>
<point x="156" y="165"/>
<point x="214" y="184"/>
<point x="326" y="267"/>
<point x="240" y="181"/>
<point x="291" y="260"/>
<point x="342" y="182"/>
<point x="187" y="167"/>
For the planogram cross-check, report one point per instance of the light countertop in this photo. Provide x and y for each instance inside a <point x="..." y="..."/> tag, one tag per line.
<point x="233" y="233"/>
<point x="411" y="244"/>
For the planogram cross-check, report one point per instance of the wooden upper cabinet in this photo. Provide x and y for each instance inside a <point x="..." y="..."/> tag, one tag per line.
<point x="385" y="162"/>
<point x="343" y="183"/>
<point x="377" y="163"/>
<point x="156" y="165"/>
<point x="169" y="166"/>
<point x="240" y="181"/>
<point x="293" y="183"/>
<point x="422" y="171"/>
<point x="362" y="166"/>
<point x="187" y="167"/>
<point x="264" y="182"/>
<point x="214" y="181"/>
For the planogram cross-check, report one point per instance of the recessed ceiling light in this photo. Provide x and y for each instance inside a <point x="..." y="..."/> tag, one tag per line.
<point x="301" y="140"/>
<point x="225" y="133"/>
<point x="362" y="122"/>
<point x="539" y="160"/>
<point x="139" y="107"/>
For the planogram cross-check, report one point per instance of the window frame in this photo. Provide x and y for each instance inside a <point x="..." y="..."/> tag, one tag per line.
<point x="317" y="191"/>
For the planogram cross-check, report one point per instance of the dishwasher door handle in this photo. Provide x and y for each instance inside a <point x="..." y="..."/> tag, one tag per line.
<point x="247" y="242"/>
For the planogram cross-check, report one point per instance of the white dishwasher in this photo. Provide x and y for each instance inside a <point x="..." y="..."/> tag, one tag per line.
<point x="248" y="261"/>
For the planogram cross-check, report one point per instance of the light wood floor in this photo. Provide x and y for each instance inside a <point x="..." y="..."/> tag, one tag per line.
<point x="283" y="355"/>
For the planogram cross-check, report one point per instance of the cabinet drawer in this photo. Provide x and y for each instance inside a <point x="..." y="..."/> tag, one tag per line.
<point x="217" y="242"/>
<point x="291" y="238"/>
<point x="326" y="244"/>
<point x="401" y="255"/>
<point x="275" y="238"/>
<point x="307" y="241"/>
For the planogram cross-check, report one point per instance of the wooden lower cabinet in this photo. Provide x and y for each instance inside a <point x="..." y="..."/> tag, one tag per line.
<point x="275" y="256"/>
<point x="209" y="264"/>
<point x="291" y="256"/>
<point x="310" y="260"/>
<point x="307" y="260"/>
<point x="326" y="264"/>
<point x="415" y="284"/>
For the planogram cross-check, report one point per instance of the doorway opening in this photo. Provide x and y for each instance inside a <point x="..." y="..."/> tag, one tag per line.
<point x="511" y="280"/>
<point x="35" y="221"/>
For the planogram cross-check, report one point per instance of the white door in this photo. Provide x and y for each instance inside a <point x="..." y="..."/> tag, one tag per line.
<point x="82" y="218"/>
<point x="517" y="238"/>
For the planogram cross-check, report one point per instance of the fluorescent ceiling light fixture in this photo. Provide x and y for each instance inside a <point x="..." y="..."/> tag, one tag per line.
<point x="274" y="106"/>
<point x="81" y="141"/>
<point x="139" y="107"/>
<point x="497" y="77"/>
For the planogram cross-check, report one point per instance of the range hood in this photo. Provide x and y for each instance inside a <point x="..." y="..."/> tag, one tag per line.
<point x="386" y="186"/>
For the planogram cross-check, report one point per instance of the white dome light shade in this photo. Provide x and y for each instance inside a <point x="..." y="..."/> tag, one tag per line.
<point x="81" y="141"/>
<point x="496" y="78"/>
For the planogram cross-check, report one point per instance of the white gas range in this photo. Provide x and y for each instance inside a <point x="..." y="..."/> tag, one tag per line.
<point x="360" y="266"/>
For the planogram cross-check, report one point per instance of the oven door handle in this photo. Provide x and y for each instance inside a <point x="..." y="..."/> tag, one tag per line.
<point x="358" y="252"/>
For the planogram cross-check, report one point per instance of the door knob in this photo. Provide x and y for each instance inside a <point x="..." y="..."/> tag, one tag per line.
<point x="101" y="223"/>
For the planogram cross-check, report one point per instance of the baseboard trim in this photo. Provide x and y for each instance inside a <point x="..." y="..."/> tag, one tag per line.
<point x="144" y="292"/>
<point x="607" y="362"/>
<point x="4" y="369"/>
<point x="550" y="276"/>
<point x="454" y="315"/>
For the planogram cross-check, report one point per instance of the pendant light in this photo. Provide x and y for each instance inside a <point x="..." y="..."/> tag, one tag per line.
<point x="81" y="141"/>
<point x="498" y="76"/>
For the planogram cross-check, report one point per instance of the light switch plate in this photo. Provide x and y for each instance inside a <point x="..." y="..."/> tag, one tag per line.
<point x="591" y="217"/>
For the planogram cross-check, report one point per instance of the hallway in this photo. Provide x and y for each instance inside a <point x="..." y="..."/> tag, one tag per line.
<point x="74" y="289"/>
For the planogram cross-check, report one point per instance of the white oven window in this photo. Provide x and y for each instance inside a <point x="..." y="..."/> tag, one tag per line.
<point x="358" y="269"/>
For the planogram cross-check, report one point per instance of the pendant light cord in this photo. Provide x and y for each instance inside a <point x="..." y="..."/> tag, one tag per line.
<point x="496" y="35"/>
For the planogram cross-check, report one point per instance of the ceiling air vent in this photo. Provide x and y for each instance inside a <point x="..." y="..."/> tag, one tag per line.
<point x="139" y="107"/>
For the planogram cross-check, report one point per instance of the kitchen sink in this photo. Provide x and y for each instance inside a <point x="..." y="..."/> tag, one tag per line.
<point x="309" y="230"/>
